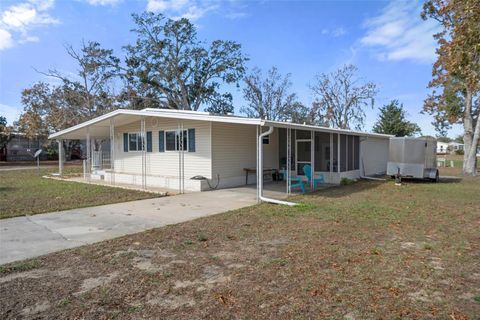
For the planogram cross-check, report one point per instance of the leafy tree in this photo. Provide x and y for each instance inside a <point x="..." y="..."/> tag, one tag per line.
<point x="221" y="106"/>
<point x="268" y="97"/>
<point x="49" y="109"/>
<point x="178" y="70"/>
<point x="456" y="73"/>
<point x="5" y="132"/>
<point x="340" y="98"/>
<point x="443" y="139"/>
<point x="392" y="121"/>
<point x="459" y="139"/>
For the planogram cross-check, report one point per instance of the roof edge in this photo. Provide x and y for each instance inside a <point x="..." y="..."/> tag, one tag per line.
<point x="202" y="116"/>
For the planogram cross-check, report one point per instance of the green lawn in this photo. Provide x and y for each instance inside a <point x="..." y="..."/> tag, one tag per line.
<point x="370" y="250"/>
<point x="26" y="192"/>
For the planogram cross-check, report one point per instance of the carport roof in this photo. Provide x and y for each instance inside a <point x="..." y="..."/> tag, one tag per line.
<point x="100" y="126"/>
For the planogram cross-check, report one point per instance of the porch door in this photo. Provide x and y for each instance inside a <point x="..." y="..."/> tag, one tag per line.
<point x="304" y="151"/>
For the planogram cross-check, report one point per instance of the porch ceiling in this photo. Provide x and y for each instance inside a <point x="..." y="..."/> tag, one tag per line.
<point x="99" y="129"/>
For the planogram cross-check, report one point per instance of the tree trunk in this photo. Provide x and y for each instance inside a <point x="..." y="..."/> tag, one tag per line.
<point x="68" y="148"/>
<point x="470" y="138"/>
<point x="470" y="161"/>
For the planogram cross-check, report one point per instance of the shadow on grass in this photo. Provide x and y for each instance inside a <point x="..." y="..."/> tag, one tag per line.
<point x="346" y="190"/>
<point x="7" y="189"/>
<point x="443" y="180"/>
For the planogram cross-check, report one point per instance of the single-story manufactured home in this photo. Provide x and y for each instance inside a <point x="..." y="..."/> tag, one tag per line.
<point x="197" y="151"/>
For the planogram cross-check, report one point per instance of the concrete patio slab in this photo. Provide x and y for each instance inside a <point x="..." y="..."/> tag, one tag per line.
<point x="32" y="236"/>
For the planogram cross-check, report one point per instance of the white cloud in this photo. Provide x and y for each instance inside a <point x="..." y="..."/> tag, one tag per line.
<point x="164" y="5"/>
<point x="190" y="9"/>
<point x="103" y="2"/>
<point x="236" y="15"/>
<point x="29" y="39"/>
<point x="399" y="33"/>
<point x="43" y="5"/>
<point x="5" y="39"/>
<point x="18" y="20"/>
<point x="335" y="32"/>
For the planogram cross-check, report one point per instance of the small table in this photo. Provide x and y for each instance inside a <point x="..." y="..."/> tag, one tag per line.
<point x="266" y="171"/>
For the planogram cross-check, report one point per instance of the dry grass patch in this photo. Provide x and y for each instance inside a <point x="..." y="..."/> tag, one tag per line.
<point x="26" y="192"/>
<point x="368" y="250"/>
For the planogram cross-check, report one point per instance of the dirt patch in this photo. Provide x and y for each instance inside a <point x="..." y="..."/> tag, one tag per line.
<point x="92" y="283"/>
<point x="36" y="308"/>
<point x="214" y="275"/>
<point x="424" y="296"/>
<point x="171" y="302"/>
<point x="409" y="245"/>
<point x="33" y="274"/>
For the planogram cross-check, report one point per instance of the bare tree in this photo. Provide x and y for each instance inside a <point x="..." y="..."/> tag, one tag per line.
<point x="269" y="97"/>
<point x="91" y="88"/>
<point x="340" y="99"/>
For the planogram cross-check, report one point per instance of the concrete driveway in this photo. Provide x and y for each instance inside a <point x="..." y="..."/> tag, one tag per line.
<point x="32" y="236"/>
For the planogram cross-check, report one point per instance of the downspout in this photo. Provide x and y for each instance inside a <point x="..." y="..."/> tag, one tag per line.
<point x="260" y="171"/>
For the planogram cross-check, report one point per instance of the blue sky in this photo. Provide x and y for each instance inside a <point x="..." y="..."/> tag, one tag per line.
<point x="388" y="41"/>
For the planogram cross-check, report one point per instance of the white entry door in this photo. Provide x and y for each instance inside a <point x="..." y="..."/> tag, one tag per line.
<point x="303" y="157"/>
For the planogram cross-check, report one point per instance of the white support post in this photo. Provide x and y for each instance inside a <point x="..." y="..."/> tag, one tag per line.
<point x="61" y="157"/>
<point x="144" y="154"/>
<point x="346" y="152"/>
<point x="331" y="157"/>
<point x="181" y="167"/>
<point x="257" y="168"/>
<point x="89" y="154"/>
<point x="338" y="153"/>
<point x="289" y="159"/>
<point x="112" y="151"/>
<point x="182" y="154"/>
<point x="312" y="160"/>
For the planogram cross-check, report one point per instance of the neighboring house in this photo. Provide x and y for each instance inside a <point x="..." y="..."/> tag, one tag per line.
<point x="442" y="147"/>
<point x="455" y="146"/>
<point x="21" y="148"/>
<point x="448" y="147"/>
<point x="195" y="151"/>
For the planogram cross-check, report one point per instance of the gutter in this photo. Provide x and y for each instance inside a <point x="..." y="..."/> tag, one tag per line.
<point x="260" y="172"/>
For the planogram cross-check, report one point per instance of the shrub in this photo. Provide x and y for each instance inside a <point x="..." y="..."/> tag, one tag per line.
<point x="52" y="153"/>
<point x="459" y="152"/>
<point x="346" y="181"/>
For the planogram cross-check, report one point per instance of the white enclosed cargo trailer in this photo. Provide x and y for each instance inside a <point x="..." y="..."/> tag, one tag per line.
<point x="413" y="158"/>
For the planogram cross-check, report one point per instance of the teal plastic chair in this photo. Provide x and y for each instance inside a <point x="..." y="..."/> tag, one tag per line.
<point x="319" y="179"/>
<point x="295" y="182"/>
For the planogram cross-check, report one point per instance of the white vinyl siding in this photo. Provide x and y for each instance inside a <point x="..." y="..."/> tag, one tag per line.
<point x="165" y="163"/>
<point x="234" y="148"/>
